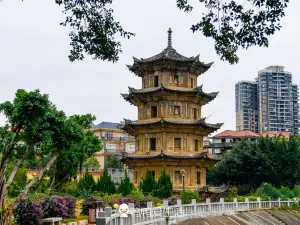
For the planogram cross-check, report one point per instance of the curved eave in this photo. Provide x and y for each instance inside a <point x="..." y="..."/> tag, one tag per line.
<point x="133" y="93"/>
<point x="129" y="125"/>
<point x="195" y="66"/>
<point x="161" y="155"/>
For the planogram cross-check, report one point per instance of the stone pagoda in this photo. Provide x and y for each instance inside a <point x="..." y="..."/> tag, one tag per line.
<point x="169" y="130"/>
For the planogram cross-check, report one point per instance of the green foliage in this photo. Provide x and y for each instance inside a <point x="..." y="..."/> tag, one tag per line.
<point x="296" y="192"/>
<point x="113" y="162"/>
<point x="137" y="194"/>
<point x="86" y="185"/>
<point x="230" y="24"/>
<point x="19" y="183"/>
<point x="148" y="184"/>
<point x="286" y="193"/>
<point x="164" y="185"/>
<point x="186" y="196"/>
<point x="91" y="163"/>
<point x="125" y="186"/>
<point x="105" y="183"/>
<point x="271" y="160"/>
<point x="268" y="191"/>
<point x="69" y="188"/>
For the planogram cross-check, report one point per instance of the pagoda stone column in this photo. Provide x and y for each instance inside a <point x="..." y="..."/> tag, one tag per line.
<point x="202" y="176"/>
<point x="193" y="176"/>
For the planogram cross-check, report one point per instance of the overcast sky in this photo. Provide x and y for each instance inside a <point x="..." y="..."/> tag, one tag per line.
<point x="34" y="50"/>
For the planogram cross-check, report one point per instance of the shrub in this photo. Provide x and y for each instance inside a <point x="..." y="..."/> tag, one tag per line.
<point x="86" y="185"/>
<point x="91" y="203"/>
<point x="186" y="196"/>
<point x="164" y="185"/>
<point x="19" y="183"/>
<point x="268" y="191"/>
<point x="126" y="186"/>
<point x="148" y="184"/>
<point x="69" y="188"/>
<point x="296" y="191"/>
<point x="136" y="194"/>
<point x="28" y="213"/>
<point x="58" y="207"/>
<point x="172" y="201"/>
<point x="233" y="192"/>
<point x="286" y="193"/>
<point x="105" y="183"/>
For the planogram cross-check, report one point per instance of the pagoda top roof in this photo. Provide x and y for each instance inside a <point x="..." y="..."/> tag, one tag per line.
<point x="154" y="155"/>
<point x="162" y="121"/>
<point x="170" y="54"/>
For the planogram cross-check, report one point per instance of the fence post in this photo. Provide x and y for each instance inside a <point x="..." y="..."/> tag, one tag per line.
<point x="236" y="203"/>
<point x="259" y="202"/>
<point x="149" y="207"/>
<point x="131" y="212"/>
<point x="279" y="203"/>
<point x="166" y="203"/>
<point x="209" y="205"/>
<point x="247" y="202"/>
<point x="222" y="203"/>
<point x="288" y="203"/>
<point x="270" y="203"/>
<point x="194" y="203"/>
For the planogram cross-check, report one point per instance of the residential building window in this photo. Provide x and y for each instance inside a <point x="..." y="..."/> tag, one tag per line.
<point x="155" y="81"/>
<point x="108" y="134"/>
<point x="196" y="145"/>
<point x="177" y="143"/>
<point x="177" y="110"/>
<point x="153" y="111"/>
<point x="223" y="140"/>
<point x="178" y="178"/>
<point x="153" y="144"/>
<point x="131" y="147"/>
<point x="198" y="177"/>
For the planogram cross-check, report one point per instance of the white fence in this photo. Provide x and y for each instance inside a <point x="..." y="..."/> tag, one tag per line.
<point x="160" y="215"/>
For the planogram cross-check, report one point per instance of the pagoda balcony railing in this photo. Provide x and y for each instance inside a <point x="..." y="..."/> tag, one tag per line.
<point x="122" y="139"/>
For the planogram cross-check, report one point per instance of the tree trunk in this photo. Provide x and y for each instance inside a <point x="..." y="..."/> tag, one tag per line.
<point x="38" y="177"/>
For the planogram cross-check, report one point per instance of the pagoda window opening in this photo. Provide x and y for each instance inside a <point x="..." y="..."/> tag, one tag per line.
<point x="155" y="81"/>
<point x="195" y="114"/>
<point x="196" y="144"/>
<point x="178" y="177"/>
<point x="176" y="78"/>
<point x="135" y="177"/>
<point x="153" y="144"/>
<point x="153" y="111"/>
<point x="198" y="177"/>
<point x="192" y="82"/>
<point x="177" y="110"/>
<point x="177" y="144"/>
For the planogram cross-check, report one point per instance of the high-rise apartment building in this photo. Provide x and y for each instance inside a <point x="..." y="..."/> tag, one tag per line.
<point x="246" y="106"/>
<point x="272" y="102"/>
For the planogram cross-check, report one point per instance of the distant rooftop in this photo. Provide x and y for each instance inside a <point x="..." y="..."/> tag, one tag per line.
<point x="274" y="69"/>
<point x="274" y="134"/>
<point x="108" y="125"/>
<point x="237" y="133"/>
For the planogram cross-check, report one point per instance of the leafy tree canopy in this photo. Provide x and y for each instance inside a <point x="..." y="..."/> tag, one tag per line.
<point x="233" y="24"/>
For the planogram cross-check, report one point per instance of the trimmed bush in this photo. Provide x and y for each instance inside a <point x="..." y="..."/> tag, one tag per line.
<point x="148" y="184"/>
<point x="86" y="185"/>
<point x="105" y="183"/>
<point x="136" y="194"/>
<point x="69" y="188"/>
<point x="58" y="207"/>
<point x="268" y="191"/>
<point x="28" y="213"/>
<point x="186" y="196"/>
<point x="164" y="185"/>
<point x="286" y="193"/>
<point x="126" y="186"/>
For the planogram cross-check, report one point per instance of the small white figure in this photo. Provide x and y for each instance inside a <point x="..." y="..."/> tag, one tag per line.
<point x="123" y="209"/>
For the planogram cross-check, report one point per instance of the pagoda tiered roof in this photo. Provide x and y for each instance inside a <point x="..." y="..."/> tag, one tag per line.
<point x="136" y="94"/>
<point x="161" y="155"/>
<point x="169" y="59"/>
<point x="129" y="124"/>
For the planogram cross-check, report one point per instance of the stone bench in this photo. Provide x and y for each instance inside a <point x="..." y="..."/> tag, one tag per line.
<point x="52" y="221"/>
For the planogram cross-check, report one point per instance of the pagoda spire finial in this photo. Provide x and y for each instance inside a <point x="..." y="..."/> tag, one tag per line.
<point x="169" y="38"/>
